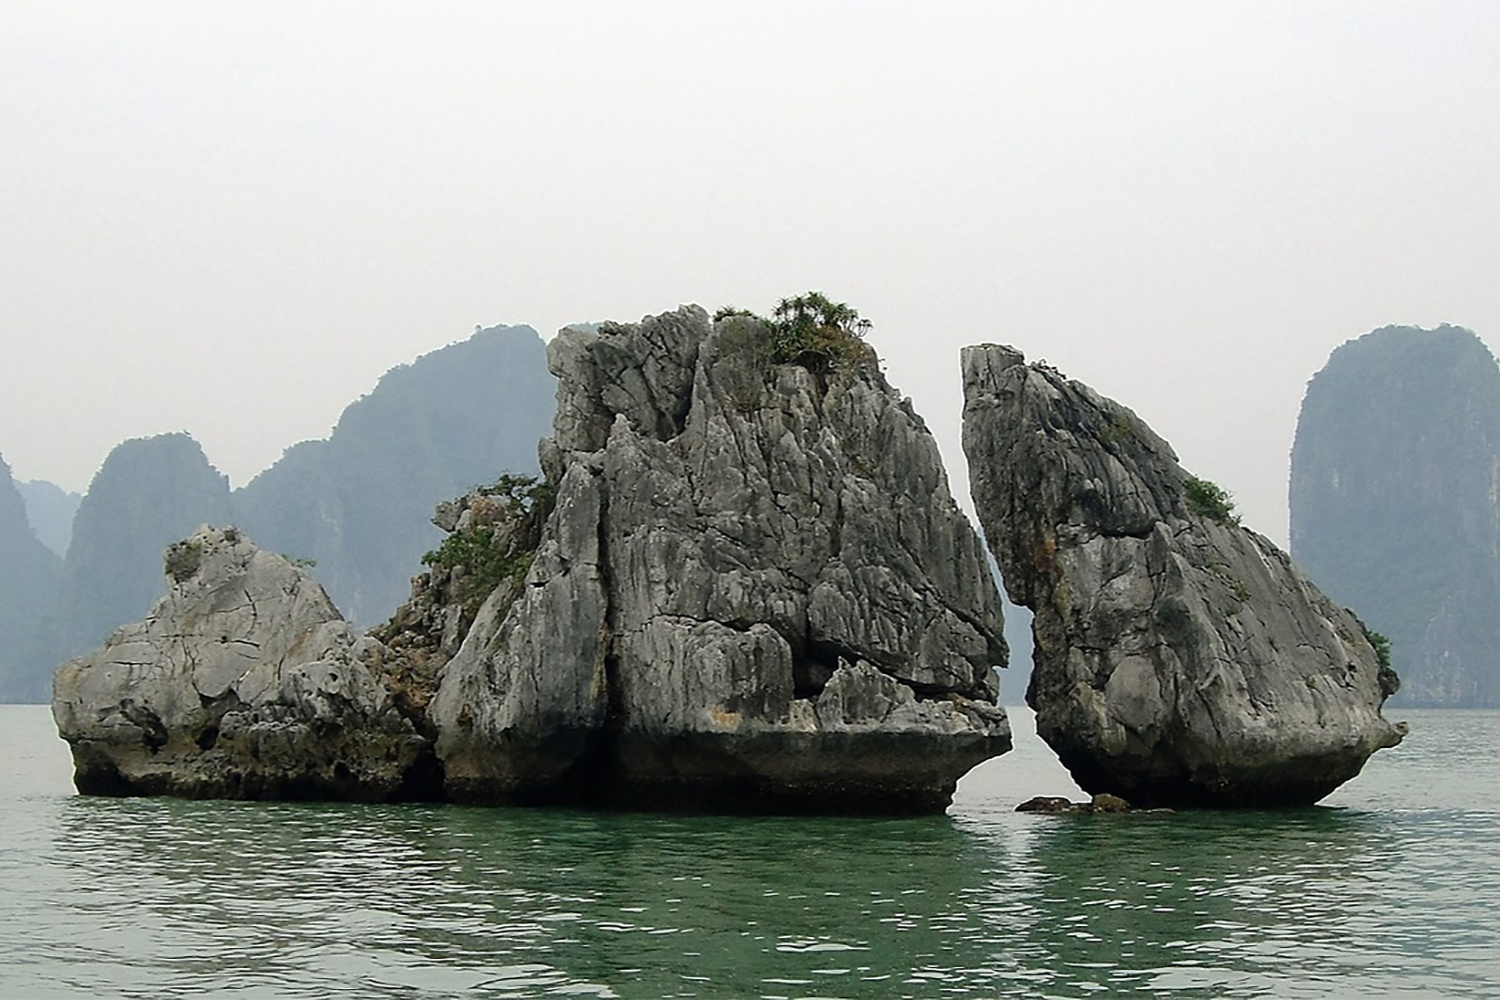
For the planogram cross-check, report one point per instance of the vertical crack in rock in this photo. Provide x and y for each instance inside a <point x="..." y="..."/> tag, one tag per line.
<point x="1151" y="680"/>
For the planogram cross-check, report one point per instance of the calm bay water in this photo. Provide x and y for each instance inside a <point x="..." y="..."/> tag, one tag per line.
<point x="1390" y="889"/>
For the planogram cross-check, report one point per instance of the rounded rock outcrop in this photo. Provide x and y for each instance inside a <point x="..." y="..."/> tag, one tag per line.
<point x="243" y="682"/>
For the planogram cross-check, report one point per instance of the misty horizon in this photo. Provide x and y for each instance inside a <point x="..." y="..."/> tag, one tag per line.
<point x="230" y="220"/>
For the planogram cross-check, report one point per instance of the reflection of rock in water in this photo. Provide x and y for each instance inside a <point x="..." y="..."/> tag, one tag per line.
<point x="1131" y="898"/>
<point x="1180" y="659"/>
<point x="546" y="899"/>
<point x="534" y="900"/>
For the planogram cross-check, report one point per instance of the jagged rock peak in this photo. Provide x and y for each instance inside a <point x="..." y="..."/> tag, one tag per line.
<point x="243" y="682"/>
<point x="754" y="592"/>
<point x="1180" y="658"/>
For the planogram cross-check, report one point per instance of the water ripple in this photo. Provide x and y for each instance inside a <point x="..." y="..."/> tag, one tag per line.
<point x="1390" y="893"/>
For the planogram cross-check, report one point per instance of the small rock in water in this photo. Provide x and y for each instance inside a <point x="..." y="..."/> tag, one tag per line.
<point x="1049" y="804"/>
<point x="1104" y="802"/>
<point x="1058" y="805"/>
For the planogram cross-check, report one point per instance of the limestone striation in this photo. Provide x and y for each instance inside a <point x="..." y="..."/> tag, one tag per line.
<point x="1180" y="658"/>
<point x="753" y="591"/>
<point x="243" y="682"/>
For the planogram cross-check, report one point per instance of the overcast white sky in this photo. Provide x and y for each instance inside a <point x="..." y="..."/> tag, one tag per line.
<point x="231" y="218"/>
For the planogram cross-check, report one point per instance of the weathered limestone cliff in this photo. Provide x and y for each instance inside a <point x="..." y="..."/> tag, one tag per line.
<point x="243" y="682"/>
<point x="1180" y="658"/>
<point x="754" y="592"/>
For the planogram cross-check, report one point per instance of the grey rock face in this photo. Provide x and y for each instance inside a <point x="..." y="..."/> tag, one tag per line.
<point x="492" y="527"/>
<point x="754" y="592"/>
<point x="1180" y="659"/>
<point x="243" y="682"/>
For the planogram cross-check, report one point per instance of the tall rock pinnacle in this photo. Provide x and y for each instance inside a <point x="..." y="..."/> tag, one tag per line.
<point x="754" y="592"/>
<point x="1180" y="658"/>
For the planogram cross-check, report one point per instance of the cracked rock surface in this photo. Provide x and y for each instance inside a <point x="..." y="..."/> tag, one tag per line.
<point x="243" y="682"/>
<point x="1179" y="659"/>
<point x="754" y="593"/>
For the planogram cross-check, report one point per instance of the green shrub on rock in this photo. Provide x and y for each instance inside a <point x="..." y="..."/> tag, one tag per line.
<point x="1209" y="500"/>
<point x="181" y="559"/>
<point x="499" y="542"/>
<point x="810" y="330"/>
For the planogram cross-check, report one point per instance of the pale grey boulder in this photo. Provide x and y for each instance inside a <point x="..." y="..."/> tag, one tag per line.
<point x="243" y="682"/>
<point x="1180" y="658"/>
<point x="754" y="592"/>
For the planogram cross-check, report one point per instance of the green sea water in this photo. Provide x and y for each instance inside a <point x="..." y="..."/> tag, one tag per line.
<point x="1391" y="888"/>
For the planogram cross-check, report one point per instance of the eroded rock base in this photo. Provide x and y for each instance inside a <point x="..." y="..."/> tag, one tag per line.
<point x="767" y="773"/>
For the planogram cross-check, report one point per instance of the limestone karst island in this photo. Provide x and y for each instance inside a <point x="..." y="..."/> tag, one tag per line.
<point x="741" y="584"/>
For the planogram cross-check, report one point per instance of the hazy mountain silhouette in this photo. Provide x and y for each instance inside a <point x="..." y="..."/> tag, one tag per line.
<point x="29" y="574"/>
<point x="360" y="502"/>
<point x="50" y="510"/>
<point x="148" y="493"/>
<point x="1395" y="503"/>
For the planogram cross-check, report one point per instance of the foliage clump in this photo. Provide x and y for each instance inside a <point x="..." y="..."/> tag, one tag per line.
<point x="518" y="494"/>
<point x="1389" y="680"/>
<point x="181" y="560"/>
<point x="486" y="560"/>
<point x="1210" y="500"/>
<point x="506" y="520"/>
<point x="813" y="331"/>
<point x="1119" y="431"/>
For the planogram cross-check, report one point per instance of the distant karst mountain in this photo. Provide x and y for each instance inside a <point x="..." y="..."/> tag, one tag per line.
<point x="148" y="493"/>
<point x="29" y="574"/>
<point x="50" y="509"/>
<point x="357" y="505"/>
<point x="1395" y="503"/>
<point x="360" y="502"/>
